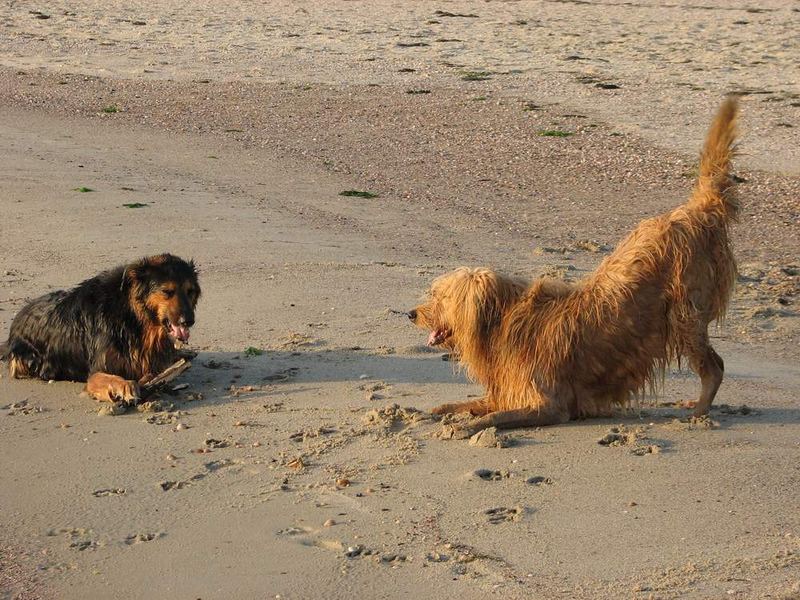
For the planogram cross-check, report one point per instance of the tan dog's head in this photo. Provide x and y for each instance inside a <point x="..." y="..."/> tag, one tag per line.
<point x="464" y="307"/>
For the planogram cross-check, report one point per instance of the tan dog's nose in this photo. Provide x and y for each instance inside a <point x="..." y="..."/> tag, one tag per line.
<point x="412" y="314"/>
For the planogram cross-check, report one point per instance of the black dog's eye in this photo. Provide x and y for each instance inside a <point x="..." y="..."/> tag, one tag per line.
<point x="168" y="293"/>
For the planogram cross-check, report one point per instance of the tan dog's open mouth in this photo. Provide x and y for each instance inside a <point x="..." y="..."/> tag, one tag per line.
<point x="438" y="336"/>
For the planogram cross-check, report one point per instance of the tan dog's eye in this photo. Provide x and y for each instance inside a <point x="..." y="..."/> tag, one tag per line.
<point x="168" y="293"/>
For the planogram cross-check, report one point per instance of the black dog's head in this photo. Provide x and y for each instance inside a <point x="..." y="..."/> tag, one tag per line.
<point x="164" y="290"/>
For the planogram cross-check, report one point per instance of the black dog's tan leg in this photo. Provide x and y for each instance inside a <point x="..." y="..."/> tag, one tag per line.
<point x="17" y="368"/>
<point x="112" y="388"/>
<point x="476" y="408"/>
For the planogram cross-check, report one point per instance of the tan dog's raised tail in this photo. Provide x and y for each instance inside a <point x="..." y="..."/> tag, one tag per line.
<point x="550" y="351"/>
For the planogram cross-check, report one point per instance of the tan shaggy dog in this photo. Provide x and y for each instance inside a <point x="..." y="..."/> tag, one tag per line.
<point x="551" y="351"/>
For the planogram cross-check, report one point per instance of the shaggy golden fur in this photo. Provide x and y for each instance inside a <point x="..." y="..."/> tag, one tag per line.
<point x="551" y="351"/>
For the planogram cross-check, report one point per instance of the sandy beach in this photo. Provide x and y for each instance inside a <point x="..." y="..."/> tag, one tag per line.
<point x="300" y="461"/>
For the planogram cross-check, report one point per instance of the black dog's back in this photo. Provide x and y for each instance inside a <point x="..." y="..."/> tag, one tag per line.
<point x="42" y="345"/>
<point x="63" y="334"/>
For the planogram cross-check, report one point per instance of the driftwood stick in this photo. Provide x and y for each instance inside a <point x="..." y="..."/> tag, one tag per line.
<point x="163" y="378"/>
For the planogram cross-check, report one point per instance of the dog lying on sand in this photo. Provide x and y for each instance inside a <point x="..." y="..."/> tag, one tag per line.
<point x="549" y="351"/>
<point x="115" y="331"/>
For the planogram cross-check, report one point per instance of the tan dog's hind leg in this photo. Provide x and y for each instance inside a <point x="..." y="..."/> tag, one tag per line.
<point x="710" y="367"/>
<point x="477" y="408"/>
<point x="112" y="388"/>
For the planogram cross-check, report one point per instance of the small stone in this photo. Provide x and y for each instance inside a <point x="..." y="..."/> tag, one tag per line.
<point x="296" y="464"/>
<point x="181" y="427"/>
<point x="150" y="406"/>
<point x="342" y="482"/>
<point x="112" y="409"/>
<point x="256" y="444"/>
<point x="170" y="457"/>
<point x="488" y="438"/>
<point x="329" y="523"/>
<point x="353" y="551"/>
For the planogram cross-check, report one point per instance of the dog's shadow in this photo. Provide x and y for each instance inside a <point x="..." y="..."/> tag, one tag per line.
<point x="220" y="377"/>
<point x="673" y="416"/>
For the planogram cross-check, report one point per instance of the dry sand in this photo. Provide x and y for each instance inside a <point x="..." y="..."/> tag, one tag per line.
<point x="304" y="471"/>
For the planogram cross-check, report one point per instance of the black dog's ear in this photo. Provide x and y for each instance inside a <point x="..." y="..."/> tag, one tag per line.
<point x="140" y="276"/>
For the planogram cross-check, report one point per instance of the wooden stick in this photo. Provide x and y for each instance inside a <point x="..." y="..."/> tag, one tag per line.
<point x="163" y="378"/>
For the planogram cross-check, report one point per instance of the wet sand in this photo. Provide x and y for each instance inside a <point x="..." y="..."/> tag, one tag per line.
<point x="305" y="470"/>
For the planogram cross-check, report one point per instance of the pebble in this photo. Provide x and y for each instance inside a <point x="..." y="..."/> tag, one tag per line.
<point x="297" y="463"/>
<point x="112" y="409"/>
<point x="181" y="427"/>
<point x="436" y="557"/>
<point x="488" y="438"/>
<point x="342" y="482"/>
<point x="329" y="523"/>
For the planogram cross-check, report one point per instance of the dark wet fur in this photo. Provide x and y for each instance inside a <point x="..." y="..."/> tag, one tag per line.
<point x="101" y="325"/>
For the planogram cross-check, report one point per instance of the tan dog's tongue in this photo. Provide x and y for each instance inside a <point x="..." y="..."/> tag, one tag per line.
<point x="180" y="332"/>
<point x="434" y="337"/>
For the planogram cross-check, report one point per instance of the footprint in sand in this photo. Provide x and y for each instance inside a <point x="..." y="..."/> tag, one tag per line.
<point x="138" y="538"/>
<point x="22" y="408"/>
<point x="282" y="375"/>
<point x="306" y="536"/>
<point x="490" y="475"/>
<point x="79" y="537"/>
<point x="108" y="492"/>
<point x="502" y="514"/>
<point x="539" y="480"/>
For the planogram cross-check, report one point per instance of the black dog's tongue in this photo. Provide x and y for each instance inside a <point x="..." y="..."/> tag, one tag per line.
<point x="179" y="332"/>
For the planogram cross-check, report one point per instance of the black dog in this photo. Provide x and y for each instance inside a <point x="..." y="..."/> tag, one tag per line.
<point x="113" y="331"/>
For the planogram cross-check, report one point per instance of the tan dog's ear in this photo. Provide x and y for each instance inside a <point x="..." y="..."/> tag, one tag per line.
<point x="483" y="303"/>
<point x="480" y="298"/>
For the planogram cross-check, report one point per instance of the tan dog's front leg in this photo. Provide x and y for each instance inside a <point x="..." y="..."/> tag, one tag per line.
<point x="519" y="417"/>
<point x="112" y="388"/>
<point x="477" y="408"/>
